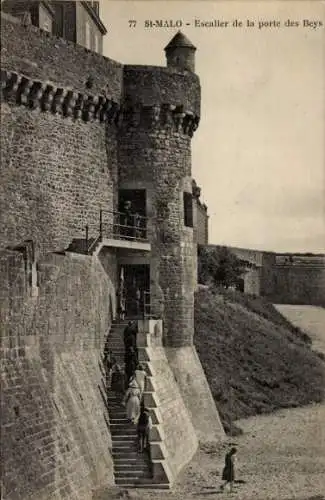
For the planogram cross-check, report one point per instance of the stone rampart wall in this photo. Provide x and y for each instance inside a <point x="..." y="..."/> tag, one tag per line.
<point x="55" y="442"/>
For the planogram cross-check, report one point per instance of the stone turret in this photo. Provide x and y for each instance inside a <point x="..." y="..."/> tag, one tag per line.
<point x="180" y="53"/>
<point x="161" y="112"/>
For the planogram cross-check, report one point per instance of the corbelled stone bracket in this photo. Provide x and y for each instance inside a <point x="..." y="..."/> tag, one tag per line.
<point x="164" y="116"/>
<point x="47" y="97"/>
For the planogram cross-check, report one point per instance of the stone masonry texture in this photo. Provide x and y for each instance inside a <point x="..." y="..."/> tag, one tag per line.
<point x="55" y="440"/>
<point x="180" y="439"/>
<point x="57" y="173"/>
<point x="55" y="177"/>
<point x="161" y="157"/>
<point x="42" y="56"/>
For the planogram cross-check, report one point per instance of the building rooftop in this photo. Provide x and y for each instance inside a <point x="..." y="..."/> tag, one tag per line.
<point x="180" y="40"/>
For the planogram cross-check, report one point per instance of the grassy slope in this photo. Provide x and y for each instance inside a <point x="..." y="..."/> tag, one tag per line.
<point x="254" y="359"/>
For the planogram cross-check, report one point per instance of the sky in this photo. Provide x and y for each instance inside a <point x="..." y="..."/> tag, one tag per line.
<point x="259" y="151"/>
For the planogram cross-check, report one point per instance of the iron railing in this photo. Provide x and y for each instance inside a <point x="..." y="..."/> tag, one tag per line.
<point x="146" y="305"/>
<point x="118" y="225"/>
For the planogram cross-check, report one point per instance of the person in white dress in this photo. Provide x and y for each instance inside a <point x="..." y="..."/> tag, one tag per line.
<point x="132" y="402"/>
<point x="140" y="378"/>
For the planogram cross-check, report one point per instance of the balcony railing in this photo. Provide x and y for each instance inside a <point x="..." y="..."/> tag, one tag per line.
<point x="118" y="226"/>
<point x="146" y="305"/>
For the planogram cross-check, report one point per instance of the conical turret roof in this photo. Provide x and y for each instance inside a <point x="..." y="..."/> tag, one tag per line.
<point x="180" y="40"/>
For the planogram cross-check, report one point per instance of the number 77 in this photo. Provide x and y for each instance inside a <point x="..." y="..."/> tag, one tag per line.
<point x="132" y="23"/>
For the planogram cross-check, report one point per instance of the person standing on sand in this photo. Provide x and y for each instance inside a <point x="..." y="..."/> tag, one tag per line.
<point x="228" y="472"/>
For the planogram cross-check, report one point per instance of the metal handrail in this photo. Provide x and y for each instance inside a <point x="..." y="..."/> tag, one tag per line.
<point x="136" y="231"/>
<point x="146" y="305"/>
<point x="93" y="243"/>
<point x="116" y="212"/>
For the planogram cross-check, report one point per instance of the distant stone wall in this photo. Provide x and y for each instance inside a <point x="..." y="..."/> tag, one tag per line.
<point x="54" y="437"/>
<point x="252" y="281"/>
<point x="284" y="278"/>
<point x="298" y="284"/>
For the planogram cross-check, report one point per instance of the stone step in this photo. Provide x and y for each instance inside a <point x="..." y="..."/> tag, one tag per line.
<point x="144" y="485"/>
<point x="136" y="474"/>
<point x="131" y="466"/>
<point x="139" y="461"/>
<point x="142" y="469"/>
<point x="124" y="447"/>
<point x="124" y="454"/>
<point x="136" y="466"/>
<point x="115" y="408"/>
<point x="116" y="440"/>
<point x="114" y="404"/>
<point x="119" y="418"/>
<point x="122" y="432"/>
<point x="119" y="423"/>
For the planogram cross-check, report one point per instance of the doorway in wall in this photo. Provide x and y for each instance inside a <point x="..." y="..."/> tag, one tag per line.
<point x="137" y="199"/>
<point x="135" y="288"/>
<point x="132" y="209"/>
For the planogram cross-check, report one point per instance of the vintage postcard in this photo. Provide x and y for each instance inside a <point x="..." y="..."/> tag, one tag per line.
<point x="162" y="250"/>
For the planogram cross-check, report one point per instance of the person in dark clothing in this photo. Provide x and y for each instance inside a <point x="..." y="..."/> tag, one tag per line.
<point x="127" y="331"/>
<point x="228" y="472"/>
<point x="117" y="381"/>
<point x="130" y="341"/>
<point x="131" y="363"/>
<point x="108" y="362"/>
<point x="126" y="220"/>
<point x="143" y="429"/>
<point x="130" y="330"/>
<point x="130" y="338"/>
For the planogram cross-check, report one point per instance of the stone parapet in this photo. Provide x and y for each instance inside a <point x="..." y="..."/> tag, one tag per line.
<point x="20" y="89"/>
<point x="171" y="117"/>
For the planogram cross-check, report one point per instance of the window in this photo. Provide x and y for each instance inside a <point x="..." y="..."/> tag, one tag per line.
<point x="87" y="35"/>
<point x="188" y="209"/>
<point x="96" y="43"/>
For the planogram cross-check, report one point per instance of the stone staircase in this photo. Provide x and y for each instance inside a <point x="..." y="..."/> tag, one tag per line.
<point x="131" y="468"/>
